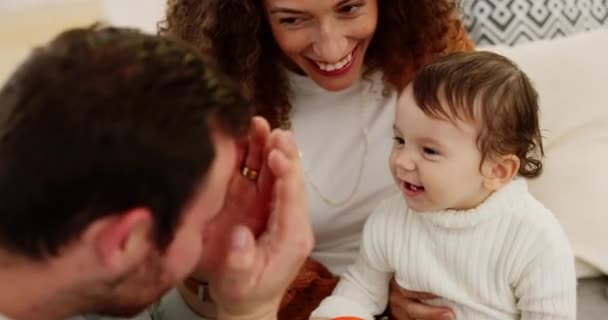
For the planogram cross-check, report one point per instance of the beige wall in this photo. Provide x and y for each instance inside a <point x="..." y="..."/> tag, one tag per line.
<point x="25" y="27"/>
<point x="141" y="14"/>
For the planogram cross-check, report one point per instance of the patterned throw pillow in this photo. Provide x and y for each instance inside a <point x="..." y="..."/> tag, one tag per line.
<point x="517" y="21"/>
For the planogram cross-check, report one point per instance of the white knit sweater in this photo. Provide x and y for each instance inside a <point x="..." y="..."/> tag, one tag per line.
<point x="507" y="259"/>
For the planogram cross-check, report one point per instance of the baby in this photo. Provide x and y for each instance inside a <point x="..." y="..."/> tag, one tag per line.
<point x="465" y="226"/>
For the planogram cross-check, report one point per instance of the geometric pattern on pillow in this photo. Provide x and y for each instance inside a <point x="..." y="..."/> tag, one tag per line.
<point x="513" y="22"/>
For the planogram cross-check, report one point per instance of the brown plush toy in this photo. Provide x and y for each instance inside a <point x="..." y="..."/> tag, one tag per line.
<point x="313" y="284"/>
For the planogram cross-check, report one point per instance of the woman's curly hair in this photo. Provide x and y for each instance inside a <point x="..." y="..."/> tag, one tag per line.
<point x="236" y="34"/>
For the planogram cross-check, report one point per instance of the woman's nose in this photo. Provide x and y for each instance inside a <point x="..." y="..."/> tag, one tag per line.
<point x="330" y="45"/>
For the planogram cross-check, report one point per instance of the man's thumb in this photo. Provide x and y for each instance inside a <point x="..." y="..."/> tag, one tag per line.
<point x="238" y="274"/>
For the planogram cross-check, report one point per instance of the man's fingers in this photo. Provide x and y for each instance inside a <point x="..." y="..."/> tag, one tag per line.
<point x="289" y="145"/>
<point x="281" y="167"/>
<point x="290" y="199"/>
<point x="284" y="141"/>
<point x="279" y="164"/>
<point x="291" y="208"/>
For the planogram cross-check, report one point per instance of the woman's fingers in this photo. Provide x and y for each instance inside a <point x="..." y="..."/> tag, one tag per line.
<point x="258" y="135"/>
<point x="412" y="294"/>
<point x="406" y="305"/>
<point x="250" y="192"/>
<point x="414" y="309"/>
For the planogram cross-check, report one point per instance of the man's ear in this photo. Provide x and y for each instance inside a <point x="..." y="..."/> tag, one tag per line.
<point x="122" y="240"/>
<point x="498" y="171"/>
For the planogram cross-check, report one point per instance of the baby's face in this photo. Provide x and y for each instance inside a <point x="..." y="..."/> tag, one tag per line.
<point x="435" y="163"/>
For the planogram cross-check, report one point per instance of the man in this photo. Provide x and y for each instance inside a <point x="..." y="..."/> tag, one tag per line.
<point x="122" y="168"/>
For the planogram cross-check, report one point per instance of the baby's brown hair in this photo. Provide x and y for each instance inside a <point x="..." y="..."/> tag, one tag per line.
<point x="492" y="91"/>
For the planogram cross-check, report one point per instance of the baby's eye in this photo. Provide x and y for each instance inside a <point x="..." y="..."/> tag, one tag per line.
<point x="430" y="151"/>
<point x="398" y="140"/>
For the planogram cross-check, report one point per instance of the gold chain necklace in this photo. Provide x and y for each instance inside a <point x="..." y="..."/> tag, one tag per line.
<point x="364" y="133"/>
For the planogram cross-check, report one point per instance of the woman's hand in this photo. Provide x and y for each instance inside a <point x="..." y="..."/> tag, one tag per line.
<point x="247" y="203"/>
<point x="248" y="198"/>
<point x="249" y="195"/>
<point x="409" y="305"/>
<point x="255" y="273"/>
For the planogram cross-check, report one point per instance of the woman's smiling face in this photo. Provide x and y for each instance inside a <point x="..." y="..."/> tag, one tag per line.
<point x="326" y="40"/>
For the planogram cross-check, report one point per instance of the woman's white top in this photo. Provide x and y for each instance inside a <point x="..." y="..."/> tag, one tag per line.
<point x="328" y="131"/>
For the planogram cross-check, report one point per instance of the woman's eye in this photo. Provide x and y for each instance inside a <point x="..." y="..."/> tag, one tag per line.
<point x="350" y="8"/>
<point x="290" y="20"/>
<point x="398" y="140"/>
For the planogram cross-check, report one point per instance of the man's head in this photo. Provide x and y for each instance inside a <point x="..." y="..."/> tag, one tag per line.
<point x="115" y="149"/>
<point x="466" y="126"/>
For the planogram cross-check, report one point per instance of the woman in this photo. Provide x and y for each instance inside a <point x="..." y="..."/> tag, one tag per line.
<point x="329" y="71"/>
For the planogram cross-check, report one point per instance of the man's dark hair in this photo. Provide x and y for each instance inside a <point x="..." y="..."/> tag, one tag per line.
<point x="103" y="120"/>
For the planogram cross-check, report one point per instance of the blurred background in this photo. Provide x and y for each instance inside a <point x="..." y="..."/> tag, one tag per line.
<point x="27" y="23"/>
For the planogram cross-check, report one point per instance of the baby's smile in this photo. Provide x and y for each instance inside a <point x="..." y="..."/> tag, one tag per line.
<point x="412" y="190"/>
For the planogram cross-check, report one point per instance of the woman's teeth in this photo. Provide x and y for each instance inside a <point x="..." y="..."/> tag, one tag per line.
<point x="336" y="66"/>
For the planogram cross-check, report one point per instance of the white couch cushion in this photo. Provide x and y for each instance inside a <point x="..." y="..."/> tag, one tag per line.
<point x="571" y="76"/>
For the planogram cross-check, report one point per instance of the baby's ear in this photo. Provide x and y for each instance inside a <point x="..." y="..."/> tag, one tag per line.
<point x="498" y="171"/>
